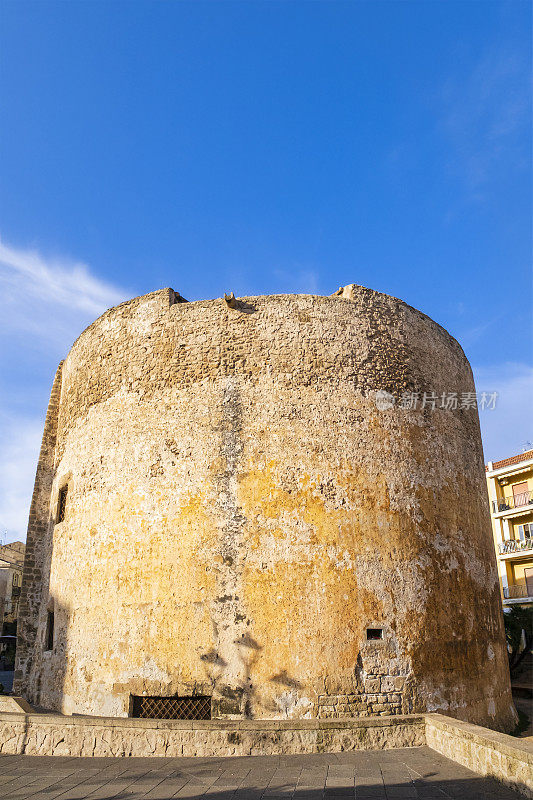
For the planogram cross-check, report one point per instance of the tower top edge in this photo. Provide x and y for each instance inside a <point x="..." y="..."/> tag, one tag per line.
<point x="351" y="294"/>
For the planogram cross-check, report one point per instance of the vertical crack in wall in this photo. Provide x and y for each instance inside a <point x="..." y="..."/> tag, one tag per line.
<point x="236" y="649"/>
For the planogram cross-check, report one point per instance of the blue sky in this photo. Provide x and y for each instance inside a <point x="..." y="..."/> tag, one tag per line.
<point x="262" y="147"/>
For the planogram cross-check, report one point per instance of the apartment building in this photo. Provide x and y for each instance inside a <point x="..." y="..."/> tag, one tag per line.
<point x="510" y="487"/>
<point x="11" y="566"/>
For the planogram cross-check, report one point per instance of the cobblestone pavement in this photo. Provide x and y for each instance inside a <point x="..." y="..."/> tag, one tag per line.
<point x="401" y="774"/>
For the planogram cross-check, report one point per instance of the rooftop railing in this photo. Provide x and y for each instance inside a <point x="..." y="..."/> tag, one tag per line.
<point x="513" y="501"/>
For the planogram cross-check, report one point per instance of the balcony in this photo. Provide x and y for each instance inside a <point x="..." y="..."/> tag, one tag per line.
<point x="515" y="546"/>
<point x="515" y="592"/>
<point x="512" y="502"/>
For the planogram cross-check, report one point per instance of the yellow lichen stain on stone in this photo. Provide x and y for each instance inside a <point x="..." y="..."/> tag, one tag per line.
<point x="318" y="625"/>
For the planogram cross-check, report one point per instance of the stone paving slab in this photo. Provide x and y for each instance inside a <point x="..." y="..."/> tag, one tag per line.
<point x="400" y="774"/>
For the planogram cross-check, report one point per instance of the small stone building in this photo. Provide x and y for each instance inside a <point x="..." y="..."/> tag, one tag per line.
<point x="266" y="507"/>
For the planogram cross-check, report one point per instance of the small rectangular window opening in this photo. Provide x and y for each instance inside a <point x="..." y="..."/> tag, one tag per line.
<point x="50" y="631"/>
<point x="374" y="633"/>
<point x="62" y="503"/>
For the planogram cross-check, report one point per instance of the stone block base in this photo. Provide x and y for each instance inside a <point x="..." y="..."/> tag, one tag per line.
<point x="14" y="704"/>
<point x="51" y="734"/>
<point x="506" y="758"/>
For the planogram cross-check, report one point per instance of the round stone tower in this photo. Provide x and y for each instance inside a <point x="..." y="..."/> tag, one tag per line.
<point x="267" y="507"/>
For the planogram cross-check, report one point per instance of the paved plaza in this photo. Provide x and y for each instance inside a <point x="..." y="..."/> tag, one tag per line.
<point x="401" y="774"/>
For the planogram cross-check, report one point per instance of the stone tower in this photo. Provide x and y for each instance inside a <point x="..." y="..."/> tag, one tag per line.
<point x="234" y="503"/>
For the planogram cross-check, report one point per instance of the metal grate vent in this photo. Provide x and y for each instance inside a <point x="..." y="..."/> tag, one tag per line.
<point x="194" y="707"/>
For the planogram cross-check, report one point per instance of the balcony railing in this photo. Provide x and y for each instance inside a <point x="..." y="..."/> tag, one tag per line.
<point x="515" y="592"/>
<point x="515" y="501"/>
<point x="515" y="546"/>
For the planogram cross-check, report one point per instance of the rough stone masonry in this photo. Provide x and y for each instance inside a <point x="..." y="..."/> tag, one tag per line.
<point x="223" y="509"/>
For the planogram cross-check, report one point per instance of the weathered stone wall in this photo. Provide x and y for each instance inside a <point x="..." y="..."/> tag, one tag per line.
<point x="49" y="735"/>
<point x="240" y="511"/>
<point x="35" y="579"/>
<point x="506" y="758"/>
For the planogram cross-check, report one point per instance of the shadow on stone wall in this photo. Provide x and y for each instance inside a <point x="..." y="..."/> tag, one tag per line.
<point x="51" y="661"/>
<point x="244" y="699"/>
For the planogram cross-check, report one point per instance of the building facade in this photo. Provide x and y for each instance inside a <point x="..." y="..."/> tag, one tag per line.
<point x="510" y="488"/>
<point x="11" y="565"/>
<point x="236" y="515"/>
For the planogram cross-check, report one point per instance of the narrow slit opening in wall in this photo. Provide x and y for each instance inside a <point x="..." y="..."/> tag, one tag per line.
<point x="372" y="634"/>
<point x="49" y="644"/>
<point x="153" y="707"/>
<point x="62" y="503"/>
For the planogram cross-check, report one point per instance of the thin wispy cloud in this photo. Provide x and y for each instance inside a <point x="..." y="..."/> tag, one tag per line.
<point x="45" y="303"/>
<point x="49" y="297"/>
<point x="486" y="118"/>
<point x="473" y="334"/>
